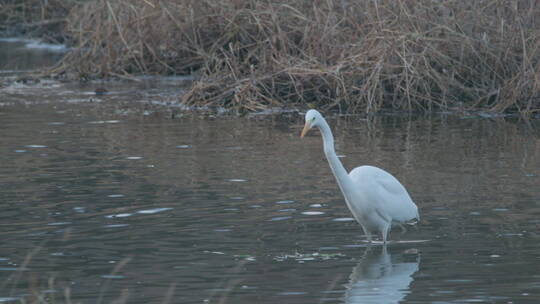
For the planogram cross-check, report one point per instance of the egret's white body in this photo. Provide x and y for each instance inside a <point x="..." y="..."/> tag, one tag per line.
<point x="375" y="197"/>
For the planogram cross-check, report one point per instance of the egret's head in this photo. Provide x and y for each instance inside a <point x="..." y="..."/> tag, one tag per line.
<point x="313" y="118"/>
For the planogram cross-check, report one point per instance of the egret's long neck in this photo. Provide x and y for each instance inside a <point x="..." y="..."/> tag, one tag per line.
<point x="344" y="181"/>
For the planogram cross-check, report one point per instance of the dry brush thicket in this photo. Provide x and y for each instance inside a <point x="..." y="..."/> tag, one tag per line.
<point x="358" y="56"/>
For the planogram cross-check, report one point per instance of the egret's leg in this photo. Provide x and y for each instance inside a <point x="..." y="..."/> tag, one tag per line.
<point x="367" y="233"/>
<point x="384" y="233"/>
<point x="403" y="228"/>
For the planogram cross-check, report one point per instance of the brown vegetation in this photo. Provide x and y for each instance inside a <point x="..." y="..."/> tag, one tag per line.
<point x="358" y="56"/>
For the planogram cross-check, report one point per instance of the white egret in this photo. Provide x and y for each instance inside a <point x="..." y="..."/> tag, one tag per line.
<point x="376" y="199"/>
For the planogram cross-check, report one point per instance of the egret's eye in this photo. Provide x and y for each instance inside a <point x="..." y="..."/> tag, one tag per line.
<point x="313" y="119"/>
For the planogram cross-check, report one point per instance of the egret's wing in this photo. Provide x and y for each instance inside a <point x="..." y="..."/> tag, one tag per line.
<point x="389" y="196"/>
<point x="395" y="200"/>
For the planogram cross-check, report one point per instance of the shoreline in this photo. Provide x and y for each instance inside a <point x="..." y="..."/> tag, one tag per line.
<point x="347" y="57"/>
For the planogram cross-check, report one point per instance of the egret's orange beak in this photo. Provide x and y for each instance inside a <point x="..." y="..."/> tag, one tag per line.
<point x="307" y="126"/>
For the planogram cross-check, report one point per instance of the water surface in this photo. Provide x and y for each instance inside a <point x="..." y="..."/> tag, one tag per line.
<point x="123" y="197"/>
<point x="24" y="55"/>
<point x="240" y="210"/>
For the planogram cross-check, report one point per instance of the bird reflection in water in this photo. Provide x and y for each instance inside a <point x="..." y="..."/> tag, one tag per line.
<point x="381" y="278"/>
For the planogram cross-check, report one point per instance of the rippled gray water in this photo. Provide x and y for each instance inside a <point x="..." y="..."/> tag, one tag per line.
<point x="240" y="210"/>
<point x="103" y="199"/>
<point x="21" y="55"/>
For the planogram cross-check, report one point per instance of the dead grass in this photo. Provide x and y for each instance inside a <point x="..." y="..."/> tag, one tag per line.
<point x="356" y="56"/>
<point x="39" y="287"/>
